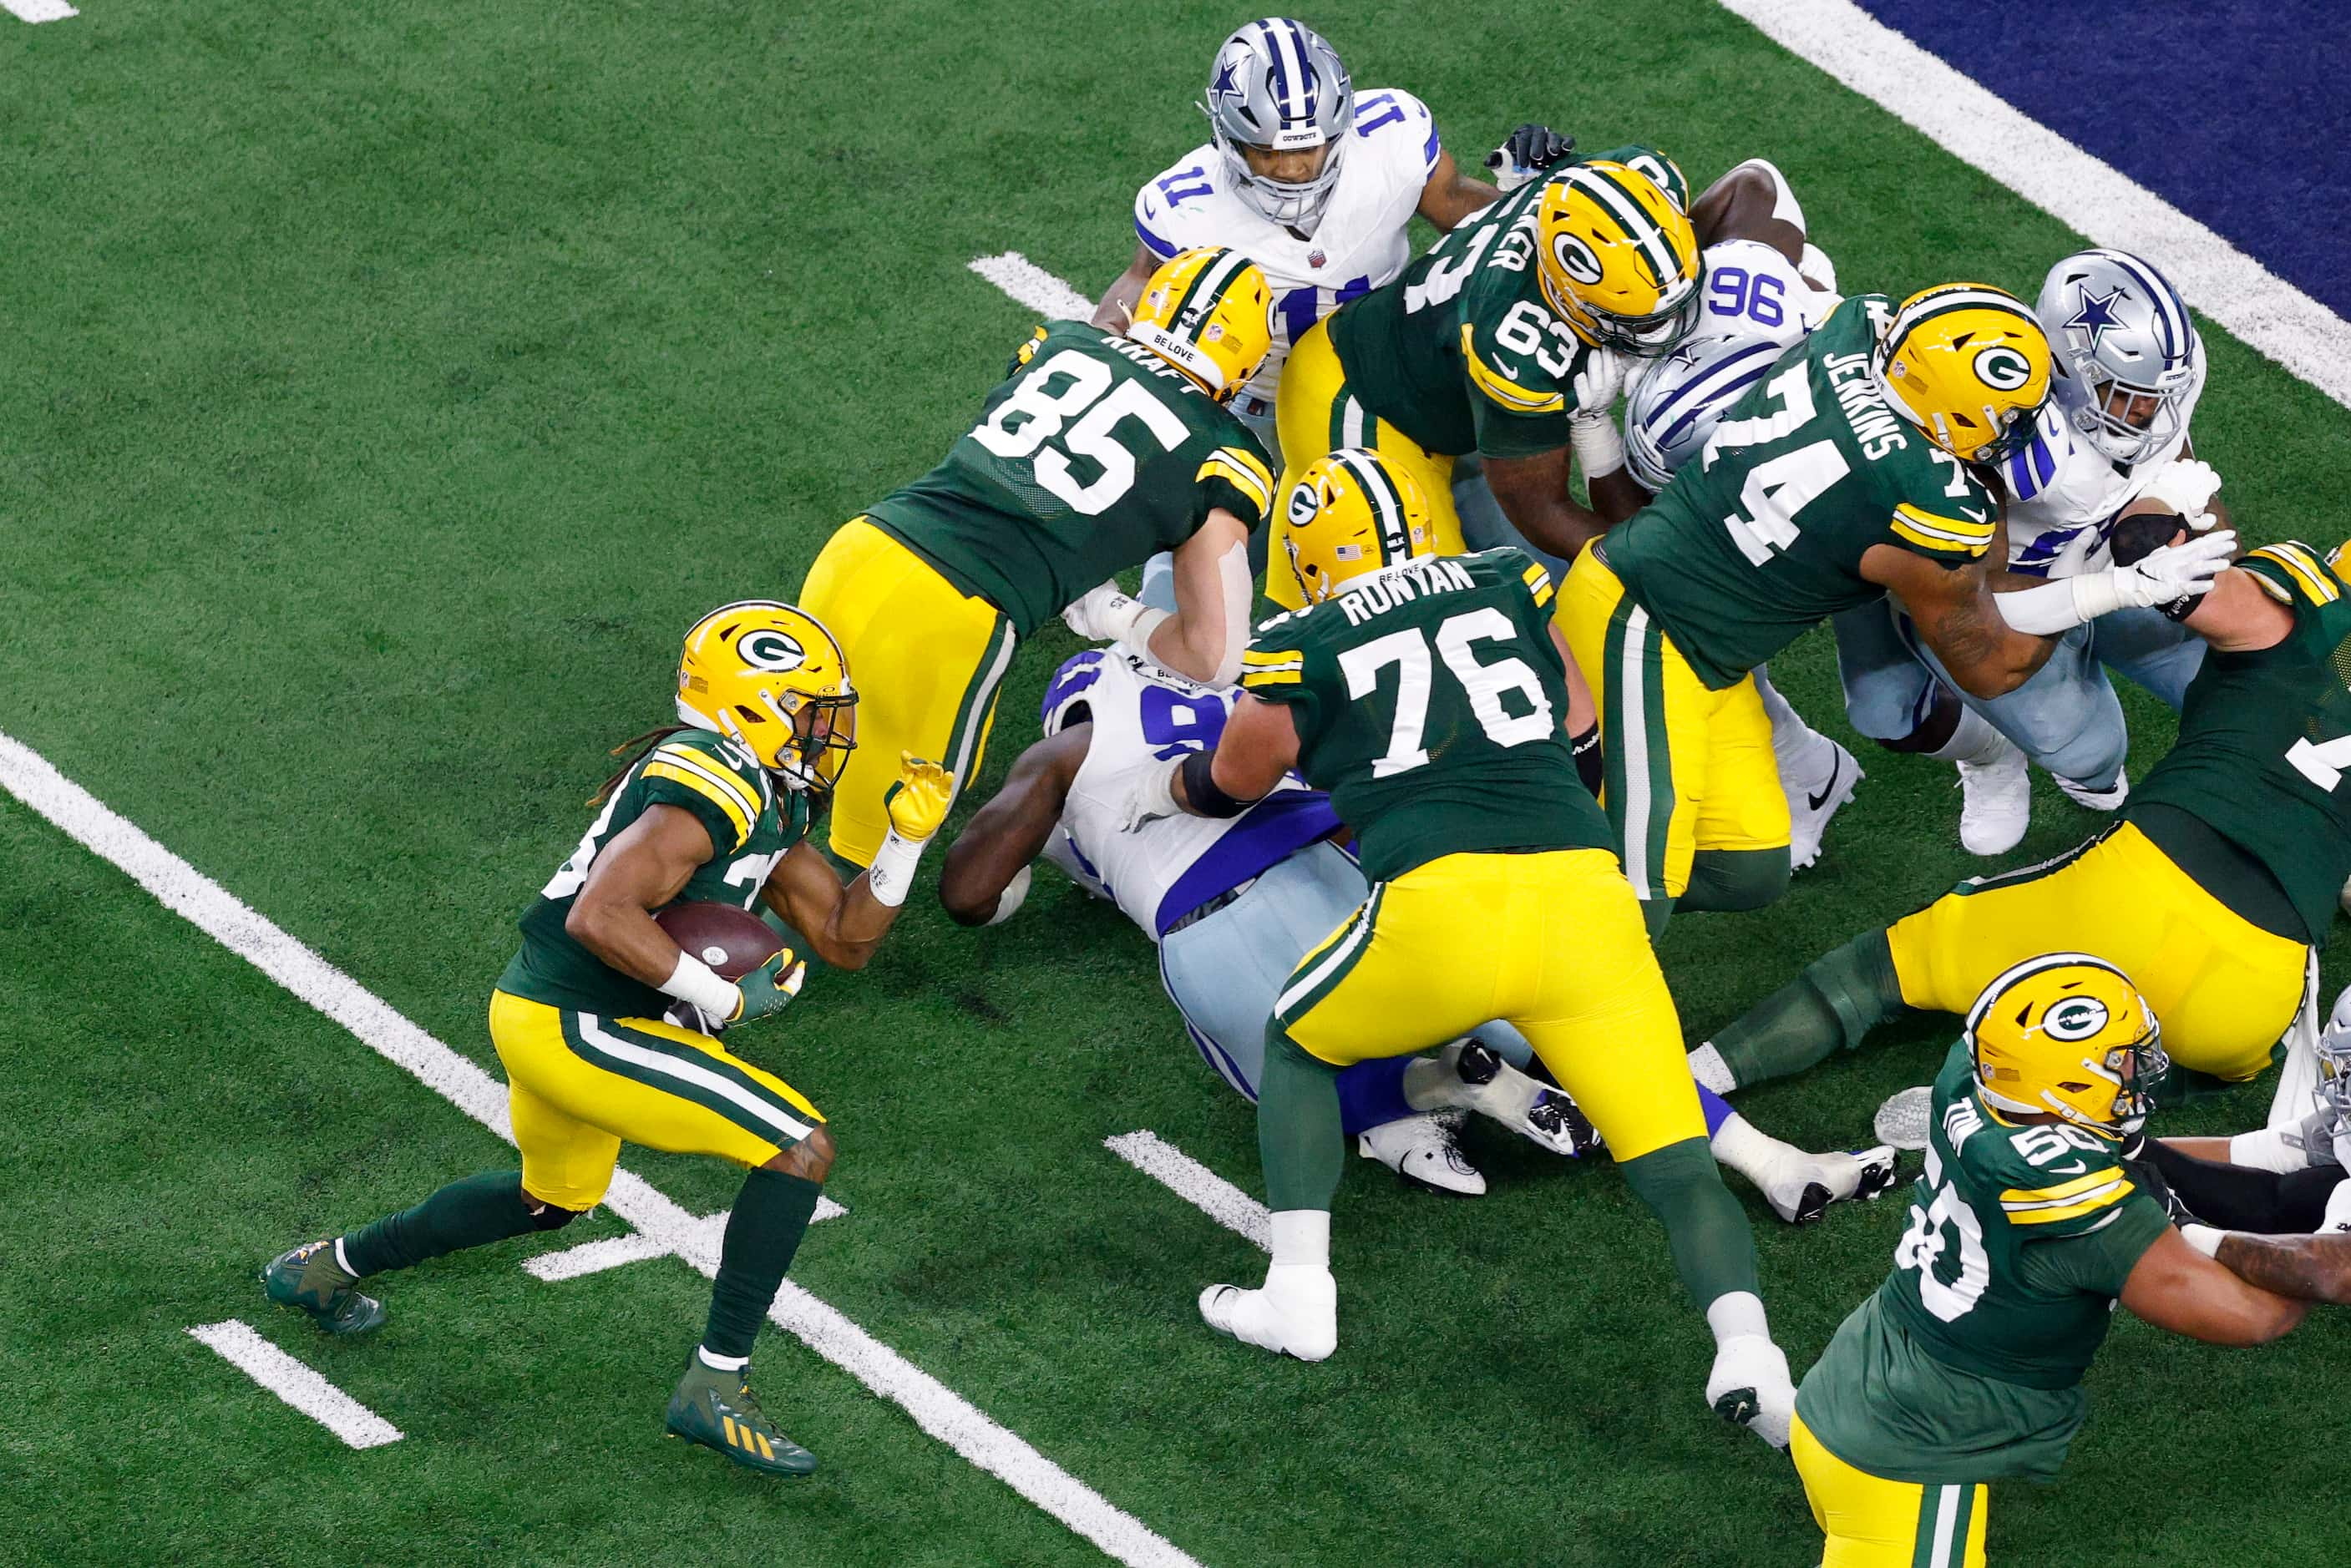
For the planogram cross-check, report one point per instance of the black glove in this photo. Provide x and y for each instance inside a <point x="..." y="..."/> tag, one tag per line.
<point x="1526" y="152"/>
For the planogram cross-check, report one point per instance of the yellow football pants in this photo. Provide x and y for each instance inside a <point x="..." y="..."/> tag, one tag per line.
<point x="1873" y="1522"/>
<point x="2223" y="989"/>
<point x="578" y="1085"/>
<point x="1687" y="769"/>
<point x="1551" y="942"/>
<point x="1315" y="413"/>
<point x="926" y="660"/>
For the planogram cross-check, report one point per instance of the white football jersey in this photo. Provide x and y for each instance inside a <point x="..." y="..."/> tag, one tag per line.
<point x="1360" y="243"/>
<point x="2063" y="493"/>
<point x="1753" y="292"/>
<point x="1143" y="717"/>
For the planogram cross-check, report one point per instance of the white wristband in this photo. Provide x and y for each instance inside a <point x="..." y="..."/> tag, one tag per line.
<point x="696" y="982"/>
<point x="1598" y="446"/>
<point x="2203" y="1238"/>
<point x="1131" y="623"/>
<point x="892" y="871"/>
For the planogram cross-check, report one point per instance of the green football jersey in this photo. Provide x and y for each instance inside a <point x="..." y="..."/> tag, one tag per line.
<point x="1966" y="1366"/>
<point x="2264" y="743"/>
<point x="1461" y="352"/>
<point x="1428" y="698"/>
<point x="751" y="823"/>
<point x="1095" y="456"/>
<point x="1763" y="535"/>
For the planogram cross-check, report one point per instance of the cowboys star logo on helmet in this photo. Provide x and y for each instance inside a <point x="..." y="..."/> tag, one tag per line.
<point x="2068" y="1034"/>
<point x="771" y="678"/>
<point x="1969" y="365"/>
<point x="2128" y="356"/>
<point x="1277" y="88"/>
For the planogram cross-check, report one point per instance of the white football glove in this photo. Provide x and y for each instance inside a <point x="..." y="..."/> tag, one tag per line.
<point x="2187" y="485"/>
<point x="2184" y="570"/>
<point x="1106" y="614"/>
<point x="1601" y="382"/>
<point x="1150" y="795"/>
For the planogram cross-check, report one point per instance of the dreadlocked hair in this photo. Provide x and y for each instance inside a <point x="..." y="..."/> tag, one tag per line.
<point x="637" y="746"/>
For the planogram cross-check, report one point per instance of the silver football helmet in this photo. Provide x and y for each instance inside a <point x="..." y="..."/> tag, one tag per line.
<point x="1674" y="402"/>
<point x="2128" y="356"/>
<point x="2335" y="1065"/>
<point x="1277" y="86"/>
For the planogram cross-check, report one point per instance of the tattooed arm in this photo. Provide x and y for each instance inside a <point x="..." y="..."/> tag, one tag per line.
<point x="1954" y="611"/>
<point x="2307" y="1268"/>
<point x="2174" y="1286"/>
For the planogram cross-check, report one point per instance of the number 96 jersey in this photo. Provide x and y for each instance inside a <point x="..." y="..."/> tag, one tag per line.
<point x="1428" y="698"/>
<point x="1762" y="533"/>
<point x="1966" y="1365"/>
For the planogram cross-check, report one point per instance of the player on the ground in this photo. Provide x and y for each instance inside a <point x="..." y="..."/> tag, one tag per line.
<point x="1101" y="449"/>
<point x="2212" y="891"/>
<point x="1966" y="1366"/>
<point x="2129" y="370"/>
<point x="1845" y="477"/>
<point x="714" y="808"/>
<point x="1232" y="904"/>
<point x="1312" y="179"/>
<point x="1430" y="696"/>
<point x="1767" y="285"/>
<point x="1509" y="338"/>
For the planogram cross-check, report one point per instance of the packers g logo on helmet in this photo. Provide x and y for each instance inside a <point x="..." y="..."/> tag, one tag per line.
<point x="771" y="678"/>
<point x="1210" y="312"/>
<point x="1617" y="259"/>
<point x="1969" y="365"/>
<point x="1351" y="513"/>
<point x="2069" y="1035"/>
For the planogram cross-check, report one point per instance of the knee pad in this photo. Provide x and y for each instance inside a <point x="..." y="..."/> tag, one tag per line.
<point x="548" y="1216"/>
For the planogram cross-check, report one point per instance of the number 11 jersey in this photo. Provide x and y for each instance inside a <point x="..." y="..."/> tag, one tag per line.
<point x="1093" y="456"/>
<point x="1428" y="698"/>
<point x="1762" y="535"/>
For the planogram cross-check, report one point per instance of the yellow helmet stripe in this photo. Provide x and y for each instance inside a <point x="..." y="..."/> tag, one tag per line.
<point x="1500" y="388"/>
<point x="1249" y="476"/>
<point x="1621" y="205"/>
<point x="688" y="757"/>
<point x="1388" y="506"/>
<point x="700" y="783"/>
<point x="2304" y="567"/>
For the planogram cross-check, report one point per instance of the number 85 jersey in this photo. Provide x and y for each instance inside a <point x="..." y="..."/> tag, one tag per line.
<point x="1428" y="698"/>
<point x="1762" y="533"/>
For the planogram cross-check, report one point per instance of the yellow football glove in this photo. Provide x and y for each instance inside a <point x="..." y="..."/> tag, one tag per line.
<point x="917" y="803"/>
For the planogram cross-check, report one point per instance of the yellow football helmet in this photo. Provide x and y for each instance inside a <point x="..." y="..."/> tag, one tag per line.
<point x="1351" y="512"/>
<point x="1968" y="364"/>
<point x="2068" y="1034"/>
<point x="772" y="679"/>
<point x="1617" y="260"/>
<point x="1210" y="313"/>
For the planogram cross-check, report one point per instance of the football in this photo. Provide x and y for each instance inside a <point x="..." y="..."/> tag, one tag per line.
<point x="732" y="941"/>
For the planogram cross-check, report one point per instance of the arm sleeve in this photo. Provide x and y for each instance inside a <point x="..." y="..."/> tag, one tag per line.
<point x="2098" y="1260"/>
<point x="683" y="776"/>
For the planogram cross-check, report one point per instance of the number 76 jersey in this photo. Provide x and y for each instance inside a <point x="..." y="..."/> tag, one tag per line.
<point x="1428" y="698"/>
<point x="1762" y="533"/>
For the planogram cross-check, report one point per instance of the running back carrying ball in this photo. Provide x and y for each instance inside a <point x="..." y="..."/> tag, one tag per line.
<point x="733" y="942"/>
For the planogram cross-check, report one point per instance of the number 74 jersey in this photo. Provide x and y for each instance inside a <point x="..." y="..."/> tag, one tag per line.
<point x="1762" y="533"/>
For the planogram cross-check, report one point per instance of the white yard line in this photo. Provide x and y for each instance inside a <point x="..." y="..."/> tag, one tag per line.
<point x="39" y="10"/>
<point x="304" y="1389"/>
<point x="1033" y="286"/>
<point x="1967" y="121"/>
<point x="203" y="903"/>
<point x="1196" y="1184"/>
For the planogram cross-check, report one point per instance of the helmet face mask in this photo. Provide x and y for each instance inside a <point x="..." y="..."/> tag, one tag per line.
<point x="2068" y="1035"/>
<point x="1351" y="513"/>
<point x="1277" y="86"/>
<point x="2128" y="354"/>
<point x="771" y="678"/>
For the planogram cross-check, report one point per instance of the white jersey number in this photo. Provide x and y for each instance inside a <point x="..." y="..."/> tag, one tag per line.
<point x="1779" y="487"/>
<point x="1946" y="1222"/>
<point x="1483" y="684"/>
<point x="1042" y="412"/>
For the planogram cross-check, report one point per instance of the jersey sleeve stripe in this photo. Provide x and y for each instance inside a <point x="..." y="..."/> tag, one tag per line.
<point x="1500" y="388"/>
<point x="1930" y="532"/>
<point x="726" y="778"/>
<point x="2307" y="572"/>
<point x="1542" y="591"/>
<point x="2050" y="1212"/>
<point x="1247" y="475"/>
<point x="1162" y="249"/>
<point x="1252" y="679"/>
<point x="2058" y="1192"/>
<point x="700" y="784"/>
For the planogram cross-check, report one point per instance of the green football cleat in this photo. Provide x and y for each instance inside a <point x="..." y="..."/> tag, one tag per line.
<point x="715" y="1409"/>
<point x="309" y="1277"/>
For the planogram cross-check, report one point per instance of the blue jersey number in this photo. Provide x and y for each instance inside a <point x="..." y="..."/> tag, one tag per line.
<point x="1300" y="309"/>
<point x="1755" y="295"/>
<point x="1175" y="723"/>
<point x="1390" y="112"/>
<point x="1185" y="183"/>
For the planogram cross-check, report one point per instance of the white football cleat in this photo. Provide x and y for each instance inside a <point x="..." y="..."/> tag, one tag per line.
<point x="1421" y="1151"/>
<point x="1814" y="797"/>
<point x="2108" y="799"/>
<point x="1296" y="1312"/>
<point x="1750" y="1388"/>
<point x="1902" y="1120"/>
<point x="1998" y="803"/>
<point x="1800" y="1186"/>
<point x="1528" y="1107"/>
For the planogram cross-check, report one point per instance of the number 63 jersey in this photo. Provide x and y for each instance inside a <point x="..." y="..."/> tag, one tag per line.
<point x="1091" y="457"/>
<point x="1428" y="698"/>
<point x="1966" y="1365"/>
<point x="1762" y="533"/>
